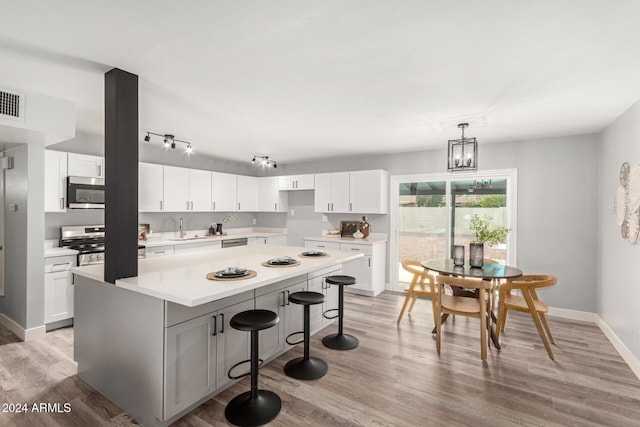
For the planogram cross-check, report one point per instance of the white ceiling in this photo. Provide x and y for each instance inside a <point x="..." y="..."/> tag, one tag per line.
<point x="303" y="79"/>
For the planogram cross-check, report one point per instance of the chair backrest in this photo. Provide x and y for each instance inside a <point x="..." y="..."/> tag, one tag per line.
<point x="419" y="272"/>
<point x="530" y="281"/>
<point x="464" y="282"/>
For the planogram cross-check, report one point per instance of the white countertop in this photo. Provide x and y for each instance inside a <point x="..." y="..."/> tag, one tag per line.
<point x="182" y="278"/>
<point x="53" y="252"/>
<point x="371" y="239"/>
<point x="163" y="239"/>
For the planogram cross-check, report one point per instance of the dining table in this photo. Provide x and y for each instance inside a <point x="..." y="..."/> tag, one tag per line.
<point x="492" y="271"/>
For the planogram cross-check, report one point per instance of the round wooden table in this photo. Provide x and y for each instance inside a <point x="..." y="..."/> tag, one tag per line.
<point x="489" y="271"/>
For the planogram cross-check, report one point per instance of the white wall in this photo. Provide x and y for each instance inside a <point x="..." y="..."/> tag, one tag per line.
<point x="618" y="291"/>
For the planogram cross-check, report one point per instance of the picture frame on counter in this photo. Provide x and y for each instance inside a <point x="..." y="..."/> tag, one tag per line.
<point x="347" y="228"/>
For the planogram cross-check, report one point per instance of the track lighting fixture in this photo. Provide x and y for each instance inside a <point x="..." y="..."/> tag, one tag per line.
<point x="170" y="141"/>
<point x="264" y="161"/>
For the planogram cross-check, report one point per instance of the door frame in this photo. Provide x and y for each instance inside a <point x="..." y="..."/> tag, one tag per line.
<point x="394" y="200"/>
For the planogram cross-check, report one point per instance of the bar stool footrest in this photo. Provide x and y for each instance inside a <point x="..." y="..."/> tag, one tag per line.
<point x="331" y="310"/>
<point x="237" y="377"/>
<point x="292" y="334"/>
<point x="340" y="341"/>
<point x="244" y="411"/>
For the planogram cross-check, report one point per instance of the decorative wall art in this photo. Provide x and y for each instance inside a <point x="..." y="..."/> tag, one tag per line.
<point x="626" y="206"/>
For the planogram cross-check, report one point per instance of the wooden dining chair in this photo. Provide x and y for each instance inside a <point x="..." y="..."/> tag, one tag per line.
<point x="463" y="306"/>
<point x="528" y="303"/>
<point x="417" y="287"/>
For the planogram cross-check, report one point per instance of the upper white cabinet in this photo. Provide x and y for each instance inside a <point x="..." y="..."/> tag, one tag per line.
<point x="150" y="187"/>
<point x="270" y="197"/>
<point x="199" y="190"/>
<point x="296" y="182"/>
<point x="357" y="192"/>
<point x="247" y="193"/>
<point x="186" y="190"/>
<point x="368" y="191"/>
<point x="223" y="192"/>
<point x="85" y="165"/>
<point x="55" y="181"/>
<point x="332" y="192"/>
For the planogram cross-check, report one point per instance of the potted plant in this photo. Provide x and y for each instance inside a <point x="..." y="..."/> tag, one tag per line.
<point x="481" y="226"/>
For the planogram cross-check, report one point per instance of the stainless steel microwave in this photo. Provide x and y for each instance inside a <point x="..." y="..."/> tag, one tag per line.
<point x="85" y="193"/>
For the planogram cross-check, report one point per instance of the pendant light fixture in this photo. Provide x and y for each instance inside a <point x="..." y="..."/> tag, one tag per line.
<point x="463" y="152"/>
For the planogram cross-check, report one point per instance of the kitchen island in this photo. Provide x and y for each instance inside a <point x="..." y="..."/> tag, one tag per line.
<point x="159" y="344"/>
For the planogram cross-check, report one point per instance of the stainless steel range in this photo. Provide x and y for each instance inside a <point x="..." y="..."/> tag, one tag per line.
<point x="88" y="240"/>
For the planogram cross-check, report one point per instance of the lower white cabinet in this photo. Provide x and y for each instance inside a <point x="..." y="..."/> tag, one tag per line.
<point x="159" y="251"/>
<point x="197" y="246"/>
<point x="199" y="353"/>
<point x="369" y="270"/>
<point x="58" y="289"/>
<point x="318" y="283"/>
<point x="272" y="340"/>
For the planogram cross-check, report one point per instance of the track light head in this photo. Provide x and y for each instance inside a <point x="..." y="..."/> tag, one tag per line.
<point x="173" y="145"/>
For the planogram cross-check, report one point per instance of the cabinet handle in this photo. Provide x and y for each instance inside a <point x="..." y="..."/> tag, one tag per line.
<point x="238" y="205"/>
<point x="369" y="262"/>
<point x="215" y="326"/>
<point x="99" y="170"/>
<point x="62" y="203"/>
<point x="222" y="323"/>
<point x="328" y="207"/>
<point x="350" y="207"/>
<point x="296" y="182"/>
<point x="331" y="206"/>
<point x="276" y="206"/>
<point x="159" y="252"/>
<point x="187" y="205"/>
<point x="288" y="303"/>
<point x="161" y="207"/>
<point x="320" y="246"/>
<point x="191" y="205"/>
<point x="283" y="299"/>
<point x="214" y="206"/>
<point x="354" y="249"/>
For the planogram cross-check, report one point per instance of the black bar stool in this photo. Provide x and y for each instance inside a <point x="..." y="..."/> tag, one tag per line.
<point x="305" y="368"/>
<point x="255" y="407"/>
<point x="340" y="341"/>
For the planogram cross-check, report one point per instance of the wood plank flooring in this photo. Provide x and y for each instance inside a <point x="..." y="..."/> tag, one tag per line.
<point x="394" y="378"/>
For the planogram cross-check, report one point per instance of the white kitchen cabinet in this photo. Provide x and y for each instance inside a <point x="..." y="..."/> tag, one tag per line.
<point x="296" y="182"/>
<point x="233" y="345"/>
<point x="199" y="190"/>
<point x="159" y="251"/>
<point x="191" y="360"/>
<point x="55" y="181"/>
<point x="332" y="192"/>
<point x="357" y="192"/>
<point x="199" y="353"/>
<point x="322" y="245"/>
<point x="247" y="193"/>
<point x="186" y="190"/>
<point x="85" y="165"/>
<point x="272" y="240"/>
<point x="272" y="340"/>
<point x="369" y="270"/>
<point x="176" y="189"/>
<point x="150" y="187"/>
<point x="197" y="246"/>
<point x="318" y="283"/>
<point x="270" y="197"/>
<point x="223" y="192"/>
<point x="58" y="289"/>
<point x="368" y="191"/>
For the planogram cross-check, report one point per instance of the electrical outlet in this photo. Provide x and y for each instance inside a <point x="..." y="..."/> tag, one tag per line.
<point x="325" y="218"/>
<point x="254" y="221"/>
<point x="293" y="212"/>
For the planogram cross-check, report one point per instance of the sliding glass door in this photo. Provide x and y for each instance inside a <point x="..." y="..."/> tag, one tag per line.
<point x="431" y="213"/>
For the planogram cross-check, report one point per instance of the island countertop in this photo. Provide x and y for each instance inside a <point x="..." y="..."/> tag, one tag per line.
<point x="182" y="278"/>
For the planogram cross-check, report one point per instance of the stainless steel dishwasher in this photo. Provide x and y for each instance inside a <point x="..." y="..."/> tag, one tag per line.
<point x="229" y="243"/>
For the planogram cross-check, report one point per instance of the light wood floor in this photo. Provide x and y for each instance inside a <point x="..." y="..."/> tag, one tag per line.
<point x="394" y="378"/>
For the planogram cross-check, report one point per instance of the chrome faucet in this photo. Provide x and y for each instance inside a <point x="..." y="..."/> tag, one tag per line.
<point x="182" y="232"/>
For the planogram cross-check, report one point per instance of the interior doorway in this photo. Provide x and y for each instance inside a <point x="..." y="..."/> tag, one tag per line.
<point x="431" y="212"/>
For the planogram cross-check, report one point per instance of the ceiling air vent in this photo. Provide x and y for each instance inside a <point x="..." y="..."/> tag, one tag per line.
<point x="11" y="105"/>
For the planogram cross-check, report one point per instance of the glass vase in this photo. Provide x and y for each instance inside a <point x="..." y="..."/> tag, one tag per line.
<point x="476" y="254"/>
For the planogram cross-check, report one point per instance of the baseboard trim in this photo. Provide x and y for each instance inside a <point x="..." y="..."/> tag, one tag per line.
<point x="622" y="349"/>
<point x="22" y="333"/>
<point x="566" y="313"/>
